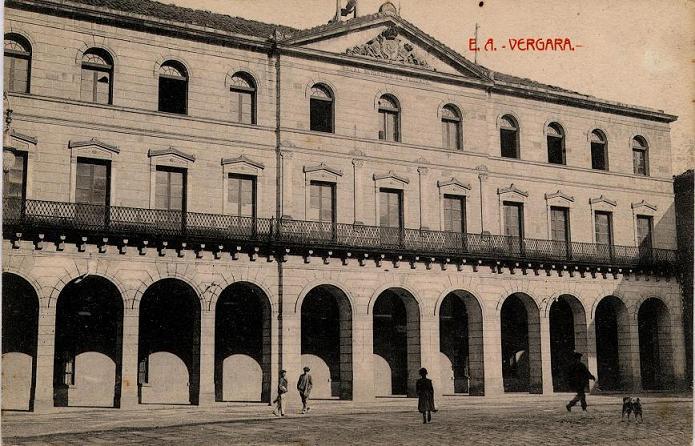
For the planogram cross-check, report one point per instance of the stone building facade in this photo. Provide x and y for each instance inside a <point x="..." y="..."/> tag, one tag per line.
<point x="195" y="201"/>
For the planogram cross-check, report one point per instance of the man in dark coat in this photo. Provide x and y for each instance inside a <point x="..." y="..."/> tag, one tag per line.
<point x="425" y="394"/>
<point x="304" y="385"/>
<point x="578" y="375"/>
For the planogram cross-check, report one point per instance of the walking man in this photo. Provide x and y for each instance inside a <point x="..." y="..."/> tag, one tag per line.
<point x="579" y="377"/>
<point x="304" y="386"/>
<point x="280" y="400"/>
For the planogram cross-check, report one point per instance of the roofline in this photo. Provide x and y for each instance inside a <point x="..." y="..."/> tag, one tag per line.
<point x="219" y="37"/>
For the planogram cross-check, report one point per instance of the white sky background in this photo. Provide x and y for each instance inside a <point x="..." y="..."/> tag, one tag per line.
<point x="638" y="52"/>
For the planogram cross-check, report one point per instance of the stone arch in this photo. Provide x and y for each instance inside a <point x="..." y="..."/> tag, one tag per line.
<point x="12" y="29"/>
<point x="321" y="81"/>
<point x="605" y="293"/>
<point x="396" y="315"/>
<point x="243" y="338"/>
<point x="20" y="327"/>
<point x="655" y="332"/>
<point x="323" y="281"/>
<point x="568" y="327"/>
<point x="246" y="71"/>
<point x="193" y="282"/>
<point x="469" y="290"/>
<point x="326" y="314"/>
<point x="75" y="272"/>
<point x="384" y="287"/>
<point x="28" y="277"/>
<point x="454" y="103"/>
<point x="225" y="278"/>
<point x="513" y="115"/>
<point x="170" y="313"/>
<point x="390" y="92"/>
<point x="165" y="58"/>
<point x="88" y="343"/>
<point x="521" y="343"/>
<point x="611" y="320"/>
<point x="461" y="342"/>
<point x="84" y="46"/>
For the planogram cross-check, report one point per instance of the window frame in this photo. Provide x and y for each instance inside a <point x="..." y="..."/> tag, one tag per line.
<point x="516" y="129"/>
<point x="25" y="170"/>
<point x="400" y="195"/>
<point x="604" y="149"/>
<point x="27" y="55"/>
<point x="457" y="122"/>
<point x="609" y="215"/>
<point x="650" y="220"/>
<point x="642" y="147"/>
<point x="332" y="186"/>
<point x="462" y="200"/>
<point x="565" y="211"/>
<point x="185" y="77"/>
<point x="319" y="99"/>
<point x="252" y="91"/>
<point x="184" y="194"/>
<point x="96" y="68"/>
<point x="94" y="161"/>
<point x="254" y="195"/>
<point x="559" y="129"/>
<point x="385" y="111"/>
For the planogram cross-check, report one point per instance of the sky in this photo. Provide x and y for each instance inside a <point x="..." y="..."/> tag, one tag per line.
<point x="638" y="52"/>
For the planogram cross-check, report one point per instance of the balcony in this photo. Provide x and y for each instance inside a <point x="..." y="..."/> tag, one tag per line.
<point x="114" y="222"/>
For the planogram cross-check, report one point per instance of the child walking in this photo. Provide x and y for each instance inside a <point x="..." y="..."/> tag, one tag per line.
<point x="425" y="394"/>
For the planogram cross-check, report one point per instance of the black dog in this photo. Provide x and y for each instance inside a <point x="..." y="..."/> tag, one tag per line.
<point x="631" y="405"/>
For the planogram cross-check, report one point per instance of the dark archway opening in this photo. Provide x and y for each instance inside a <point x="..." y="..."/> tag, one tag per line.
<point x="242" y="344"/>
<point x="327" y="341"/>
<point x="20" y="319"/>
<point x="169" y="344"/>
<point x="611" y="323"/>
<point x="396" y="343"/>
<point x="521" y="362"/>
<point x="88" y="349"/>
<point x="461" y="343"/>
<point x="654" y="322"/>
<point x="562" y="343"/>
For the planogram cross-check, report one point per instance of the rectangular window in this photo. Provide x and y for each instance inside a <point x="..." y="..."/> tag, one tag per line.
<point x="15" y="179"/>
<point x="322" y="201"/>
<point x="556" y="151"/>
<point x="16" y="74"/>
<point x="96" y="86"/>
<point x="241" y="195"/>
<point x="508" y="143"/>
<point x="389" y="126"/>
<point x="242" y="106"/>
<point x="173" y="95"/>
<point x="598" y="156"/>
<point x="559" y="224"/>
<point x="639" y="162"/>
<point x="513" y="219"/>
<point x="454" y="213"/>
<point x="170" y="189"/>
<point x="321" y="115"/>
<point x="450" y="134"/>
<point x="644" y="231"/>
<point x="391" y="208"/>
<point x="92" y="181"/>
<point x="603" y="228"/>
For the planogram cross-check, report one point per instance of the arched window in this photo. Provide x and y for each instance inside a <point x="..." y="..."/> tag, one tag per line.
<point x="599" y="150"/>
<point x="389" y="118"/>
<point x="509" y="137"/>
<point x="17" y="62"/>
<point x="640" y="156"/>
<point x="173" y="88"/>
<point x="97" y="76"/>
<point x="243" y="99"/>
<point x="556" y="143"/>
<point x="321" y="109"/>
<point x="451" y="128"/>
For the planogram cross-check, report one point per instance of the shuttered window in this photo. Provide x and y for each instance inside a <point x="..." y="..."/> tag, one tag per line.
<point x="322" y="201"/>
<point x="644" y="231"/>
<point x="16" y="64"/>
<point x="170" y="190"/>
<point x="513" y="219"/>
<point x="92" y="182"/>
<point x="454" y="213"/>
<point x="391" y="208"/>
<point x="241" y="195"/>
<point x="559" y="224"/>
<point x="14" y="184"/>
<point x="603" y="228"/>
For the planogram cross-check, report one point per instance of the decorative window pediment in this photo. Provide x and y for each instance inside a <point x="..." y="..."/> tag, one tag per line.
<point x="512" y="189"/>
<point x="175" y="156"/>
<point x="643" y="204"/>
<point x="323" y="167"/>
<point x="92" y="148"/>
<point x="391" y="177"/>
<point x="559" y="195"/>
<point x="453" y="185"/>
<point x="603" y="200"/>
<point x="242" y="165"/>
<point x="20" y="141"/>
<point x="22" y="137"/>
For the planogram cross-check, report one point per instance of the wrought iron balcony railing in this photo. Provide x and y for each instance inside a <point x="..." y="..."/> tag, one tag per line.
<point x="115" y="221"/>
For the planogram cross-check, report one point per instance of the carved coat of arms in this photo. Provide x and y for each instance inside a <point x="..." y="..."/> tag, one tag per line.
<point x="389" y="46"/>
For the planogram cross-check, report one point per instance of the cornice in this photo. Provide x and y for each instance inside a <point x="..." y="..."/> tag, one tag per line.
<point x="391" y="175"/>
<point x="171" y="151"/>
<point x="512" y="189"/>
<point x="244" y="160"/>
<point x="72" y="144"/>
<point x="323" y="166"/>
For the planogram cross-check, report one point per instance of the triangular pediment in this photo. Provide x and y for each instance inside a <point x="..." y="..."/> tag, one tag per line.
<point x="243" y="160"/>
<point x="323" y="168"/>
<point x="94" y="143"/>
<point x="391" y="175"/>
<point x="171" y="152"/>
<point x="386" y="39"/>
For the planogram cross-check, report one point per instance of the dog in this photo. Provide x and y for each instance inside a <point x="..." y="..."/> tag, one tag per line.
<point x="631" y="406"/>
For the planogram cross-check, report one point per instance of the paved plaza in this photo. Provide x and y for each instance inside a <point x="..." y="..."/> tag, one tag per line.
<point x="526" y="420"/>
